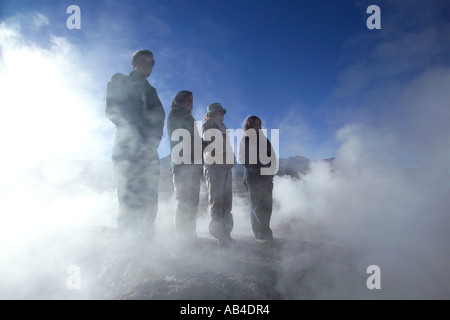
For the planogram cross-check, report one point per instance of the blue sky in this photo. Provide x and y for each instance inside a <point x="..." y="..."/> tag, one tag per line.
<point x="307" y="68"/>
<point x="377" y="100"/>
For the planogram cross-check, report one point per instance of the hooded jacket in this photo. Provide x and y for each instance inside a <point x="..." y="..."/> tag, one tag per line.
<point x="138" y="114"/>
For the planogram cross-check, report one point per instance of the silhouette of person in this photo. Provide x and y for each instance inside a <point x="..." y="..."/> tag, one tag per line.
<point x="187" y="175"/>
<point x="259" y="186"/>
<point x="218" y="176"/>
<point x="134" y="107"/>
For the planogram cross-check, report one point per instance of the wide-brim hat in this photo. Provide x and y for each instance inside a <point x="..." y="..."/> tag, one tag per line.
<point x="215" y="107"/>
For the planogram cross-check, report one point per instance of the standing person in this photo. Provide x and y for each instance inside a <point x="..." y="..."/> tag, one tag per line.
<point x="187" y="173"/>
<point x="218" y="175"/>
<point x="133" y="105"/>
<point x="259" y="186"/>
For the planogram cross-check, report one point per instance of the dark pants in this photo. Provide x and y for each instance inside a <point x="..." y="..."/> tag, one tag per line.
<point x="186" y="182"/>
<point x="260" y="196"/>
<point x="220" y="196"/>
<point x="137" y="191"/>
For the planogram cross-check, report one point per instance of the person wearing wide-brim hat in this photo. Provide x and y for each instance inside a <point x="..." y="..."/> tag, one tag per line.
<point x="218" y="174"/>
<point x="215" y="108"/>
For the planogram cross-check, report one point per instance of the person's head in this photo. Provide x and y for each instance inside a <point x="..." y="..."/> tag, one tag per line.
<point x="183" y="99"/>
<point x="142" y="62"/>
<point x="253" y="122"/>
<point x="215" y="110"/>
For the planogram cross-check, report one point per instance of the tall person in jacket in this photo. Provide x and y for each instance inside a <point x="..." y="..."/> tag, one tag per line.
<point x="134" y="107"/>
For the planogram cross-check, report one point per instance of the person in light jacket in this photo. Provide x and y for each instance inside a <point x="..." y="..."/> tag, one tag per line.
<point x="219" y="160"/>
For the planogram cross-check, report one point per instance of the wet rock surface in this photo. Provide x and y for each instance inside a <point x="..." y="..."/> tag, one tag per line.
<point x="204" y="272"/>
<point x="163" y="270"/>
<point x="248" y="270"/>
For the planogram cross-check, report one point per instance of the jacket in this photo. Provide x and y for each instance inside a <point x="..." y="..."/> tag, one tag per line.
<point x="215" y="123"/>
<point x="180" y="118"/>
<point x="138" y="114"/>
<point x="250" y="152"/>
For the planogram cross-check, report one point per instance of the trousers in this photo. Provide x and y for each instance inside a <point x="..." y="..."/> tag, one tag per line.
<point x="137" y="181"/>
<point x="260" y="188"/>
<point x="220" y="197"/>
<point x="186" y="182"/>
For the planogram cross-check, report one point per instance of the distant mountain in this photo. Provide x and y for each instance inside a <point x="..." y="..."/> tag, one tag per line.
<point x="292" y="166"/>
<point x="79" y="176"/>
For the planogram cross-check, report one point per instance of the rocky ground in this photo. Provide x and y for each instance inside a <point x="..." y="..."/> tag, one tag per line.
<point x="61" y="261"/>
<point x="301" y="264"/>
<point x="161" y="270"/>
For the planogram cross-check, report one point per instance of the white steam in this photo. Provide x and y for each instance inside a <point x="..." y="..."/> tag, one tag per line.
<point x="51" y="125"/>
<point x="369" y="202"/>
<point x="47" y="113"/>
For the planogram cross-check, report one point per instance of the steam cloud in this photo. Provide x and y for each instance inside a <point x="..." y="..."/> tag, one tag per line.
<point x="385" y="198"/>
<point x="367" y="202"/>
<point x="51" y="124"/>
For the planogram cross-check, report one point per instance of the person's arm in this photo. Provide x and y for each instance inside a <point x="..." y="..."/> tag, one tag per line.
<point x="205" y="142"/>
<point x="206" y="126"/>
<point x="154" y="117"/>
<point x="271" y="167"/>
<point x="173" y="123"/>
<point x="250" y="152"/>
<point x="243" y="151"/>
<point x="121" y="106"/>
<point x="114" y="99"/>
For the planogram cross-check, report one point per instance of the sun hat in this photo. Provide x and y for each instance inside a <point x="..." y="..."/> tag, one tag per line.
<point x="215" y="107"/>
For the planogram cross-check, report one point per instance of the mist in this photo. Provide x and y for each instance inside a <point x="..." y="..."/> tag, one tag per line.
<point x="52" y="124"/>
<point x="58" y="198"/>
<point x="378" y="213"/>
<point x="383" y="200"/>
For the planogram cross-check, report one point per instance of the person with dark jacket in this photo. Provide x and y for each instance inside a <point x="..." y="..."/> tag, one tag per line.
<point x="134" y="107"/>
<point x="186" y="166"/>
<point x="258" y="182"/>
<point x="219" y="160"/>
